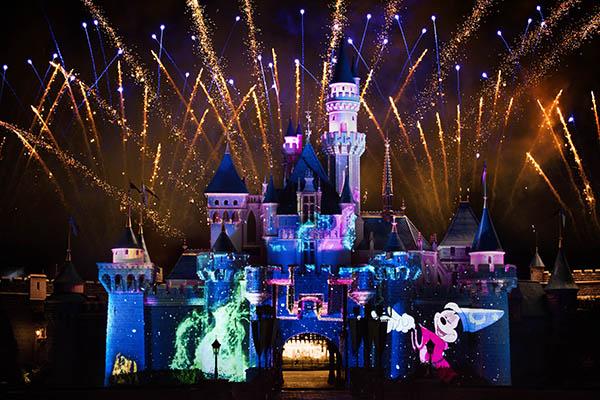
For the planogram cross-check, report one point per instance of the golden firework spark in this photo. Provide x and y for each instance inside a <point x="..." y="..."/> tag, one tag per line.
<point x="541" y="173"/>
<point x="298" y="88"/>
<point x="277" y="92"/>
<point x="587" y="190"/>
<point x="431" y="170"/>
<point x="366" y="86"/>
<point x="156" y="166"/>
<point x="596" y="115"/>
<point x="497" y="90"/>
<point x="444" y="156"/>
<point x="458" y="149"/>
<point x="372" y="118"/>
<point x="263" y="132"/>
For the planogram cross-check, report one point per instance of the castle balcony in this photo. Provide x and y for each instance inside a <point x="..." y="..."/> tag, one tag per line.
<point x="126" y="277"/>
<point x="487" y="278"/>
<point x="163" y="295"/>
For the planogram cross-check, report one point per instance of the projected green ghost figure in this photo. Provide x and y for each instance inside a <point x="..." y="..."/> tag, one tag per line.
<point x="227" y="323"/>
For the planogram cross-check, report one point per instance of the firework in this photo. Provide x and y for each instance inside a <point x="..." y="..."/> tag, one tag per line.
<point x="444" y="156"/>
<point x="596" y="115"/>
<point x="541" y="173"/>
<point x="458" y="150"/>
<point x="431" y="170"/>
<point x="263" y="132"/>
<point x="155" y="166"/>
<point x="275" y="71"/>
<point x="587" y="190"/>
<point x="499" y="147"/>
<point x="298" y="88"/>
<point x="372" y="118"/>
<point x="497" y="91"/>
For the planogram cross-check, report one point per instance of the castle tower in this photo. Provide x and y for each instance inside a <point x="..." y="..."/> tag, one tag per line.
<point x="387" y="190"/>
<point x="226" y="199"/>
<point x="537" y="267"/>
<point x="269" y="209"/>
<point x="342" y="142"/>
<point x="455" y="246"/>
<point x="486" y="248"/>
<point x="488" y="282"/>
<point x="125" y="280"/>
<point x="292" y="147"/>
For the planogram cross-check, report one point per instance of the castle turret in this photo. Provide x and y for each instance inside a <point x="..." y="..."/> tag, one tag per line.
<point x="269" y="209"/>
<point x="454" y="249"/>
<point x="292" y="148"/>
<point x="537" y="267"/>
<point x="342" y="142"/>
<point x="226" y="199"/>
<point x="486" y="248"/>
<point x="488" y="281"/>
<point x="387" y="189"/>
<point x="125" y="280"/>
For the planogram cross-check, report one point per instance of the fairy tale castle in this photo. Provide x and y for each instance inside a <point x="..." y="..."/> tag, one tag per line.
<point x="304" y="261"/>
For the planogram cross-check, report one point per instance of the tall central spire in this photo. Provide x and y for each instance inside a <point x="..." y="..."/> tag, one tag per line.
<point x="387" y="190"/>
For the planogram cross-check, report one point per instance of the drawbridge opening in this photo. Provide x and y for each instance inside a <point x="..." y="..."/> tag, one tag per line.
<point x="310" y="361"/>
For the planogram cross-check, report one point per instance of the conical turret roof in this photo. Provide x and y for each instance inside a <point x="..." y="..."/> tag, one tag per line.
<point x="226" y="178"/>
<point x="223" y="244"/>
<point x="394" y="243"/>
<point x="271" y="192"/>
<point x="462" y="228"/>
<point x="290" y="128"/>
<point x="536" y="261"/>
<point x="128" y="240"/>
<point x="342" y="71"/>
<point x="346" y="197"/>
<point x="561" y="277"/>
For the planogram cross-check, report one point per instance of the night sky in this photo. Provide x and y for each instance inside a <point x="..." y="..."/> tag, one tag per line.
<point x="33" y="222"/>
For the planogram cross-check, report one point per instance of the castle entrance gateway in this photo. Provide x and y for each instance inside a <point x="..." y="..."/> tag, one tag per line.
<point x="310" y="361"/>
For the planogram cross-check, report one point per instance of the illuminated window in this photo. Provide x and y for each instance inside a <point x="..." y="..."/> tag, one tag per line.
<point x="226" y="202"/>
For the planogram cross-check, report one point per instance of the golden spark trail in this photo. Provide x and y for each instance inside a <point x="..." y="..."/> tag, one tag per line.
<point x="499" y="148"/>
<point x="139" y="73"/>
<point x="541" y="173"/>
<point x="458" y="149"/>
<point x="411" y="71"/>
<point x="431" y="170"/>
<point x="144" y="132"/>
<point x="253" y="44"/>
<point x="366" y="86"/>
<point x="297" y="74"/>
<point x="90" y="115"/>
<point x="191" y="99"/>
<point x="263" y="133"/>
<point x="407" y="141"/>
<point x="444" y="156"/>
<point x="46" y="91"/>
<point x="372" y="118"/>
<point x="497" y="91"/>
<point x="277" y="87"/>
<point x="324" y="81"/>
<point x="587" y="191"/>
<point x="559" y="147"/>
<point x="192" y="145"/>
<point x="45" y="127"/>
<point x="156" y="166"/>
<point x="122" y="122"/>
<point x="596" y="115"/>
<point x="21" y="135"/>
<point x="531" y="149"/>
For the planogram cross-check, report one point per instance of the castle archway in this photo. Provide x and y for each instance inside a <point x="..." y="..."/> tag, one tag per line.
<point x="310" y="360"/>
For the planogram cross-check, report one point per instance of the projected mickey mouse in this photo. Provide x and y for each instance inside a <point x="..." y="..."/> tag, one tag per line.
<point x="444" y="332"/>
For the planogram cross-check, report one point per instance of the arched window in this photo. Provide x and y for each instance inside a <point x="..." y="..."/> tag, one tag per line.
<point x="106" y="281"/>
<point x="226" y="202"/>
<point x="225" y="216"/>
<point x="141" y="280"/>
<point x="251" y="228"/>
<point x="216" y="202"/>
<point x="235" y="202"/>
<point x="489" y="259"/>
<point x="215" y="217"/>
<point x="130" y="282"/>
<point x="118" y="281"/>
<point x="235" y="217"/>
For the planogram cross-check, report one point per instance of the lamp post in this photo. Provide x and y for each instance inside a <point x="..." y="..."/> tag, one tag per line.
<point x="216" y="346"/>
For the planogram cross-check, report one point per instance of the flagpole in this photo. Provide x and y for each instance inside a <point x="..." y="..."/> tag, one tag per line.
<point x="68" y="242"/>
